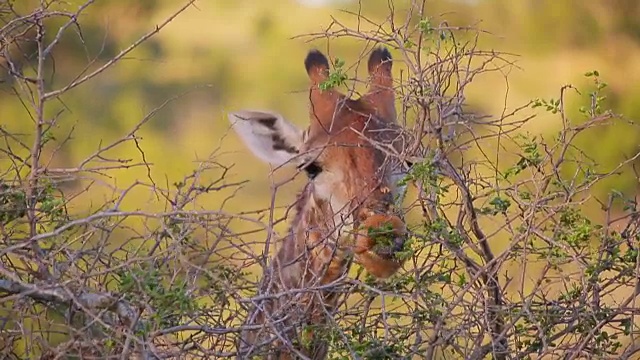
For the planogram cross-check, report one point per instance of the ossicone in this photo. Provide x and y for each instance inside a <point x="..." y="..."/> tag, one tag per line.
<point x="380" y="57"/>
<point x="317" y="66"/>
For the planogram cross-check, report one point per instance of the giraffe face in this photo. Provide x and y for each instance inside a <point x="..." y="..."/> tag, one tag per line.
<point x="350" y="151"/>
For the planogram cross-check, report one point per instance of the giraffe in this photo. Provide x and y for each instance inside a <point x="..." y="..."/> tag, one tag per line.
<point x="347" y="152"/>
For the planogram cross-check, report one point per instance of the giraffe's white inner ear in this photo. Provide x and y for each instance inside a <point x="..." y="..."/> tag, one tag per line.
<point x="268" y="135"/>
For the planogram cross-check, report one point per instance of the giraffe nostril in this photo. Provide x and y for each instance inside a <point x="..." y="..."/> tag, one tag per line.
<point x="375" y="213"/>
<point x="384" y="234"/>
<point x="398" y="243"/>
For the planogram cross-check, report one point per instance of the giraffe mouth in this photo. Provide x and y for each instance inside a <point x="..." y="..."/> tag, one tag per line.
<point x="385" y="235"/>
<point x="389" y="251"/>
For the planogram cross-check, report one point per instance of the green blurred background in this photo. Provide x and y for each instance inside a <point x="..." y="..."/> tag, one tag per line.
<point x="226" y="55"/>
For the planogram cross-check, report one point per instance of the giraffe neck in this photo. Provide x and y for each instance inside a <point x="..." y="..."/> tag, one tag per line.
<point x="308" y="258"/>
<point x="310" y="254"/>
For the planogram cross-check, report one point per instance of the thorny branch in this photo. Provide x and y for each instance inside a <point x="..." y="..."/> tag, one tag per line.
<point x="505" y="260"/>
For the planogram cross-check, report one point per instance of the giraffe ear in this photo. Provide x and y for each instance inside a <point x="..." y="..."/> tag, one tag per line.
<point x="268" y="135"/>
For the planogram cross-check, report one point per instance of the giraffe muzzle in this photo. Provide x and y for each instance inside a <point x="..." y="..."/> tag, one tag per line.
<point x="383" y="234"/>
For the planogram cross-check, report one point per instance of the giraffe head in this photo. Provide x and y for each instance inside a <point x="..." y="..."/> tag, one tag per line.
<point x="349" y="152"/>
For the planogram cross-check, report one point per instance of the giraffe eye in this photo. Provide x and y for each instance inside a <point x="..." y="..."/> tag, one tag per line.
<point x="312" y="169"/>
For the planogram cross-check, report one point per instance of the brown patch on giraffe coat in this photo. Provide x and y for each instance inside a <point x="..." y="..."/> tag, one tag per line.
<point x="280" y="144"/>
<point x="269" y="122"/>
